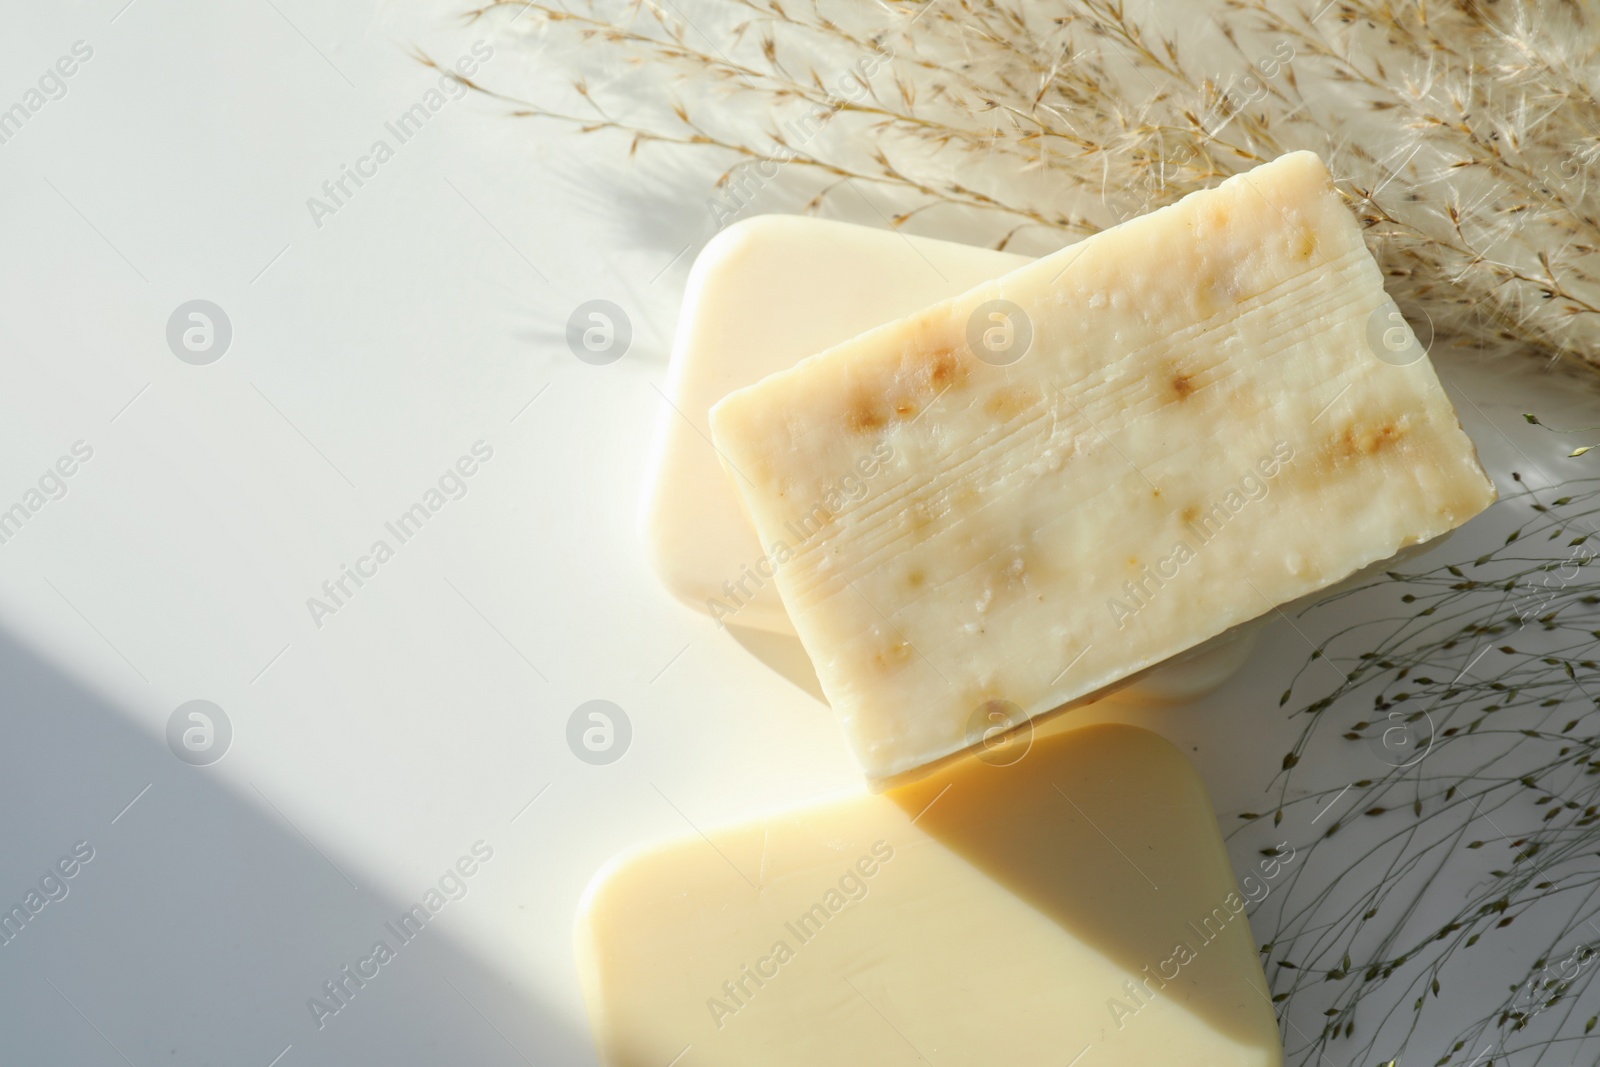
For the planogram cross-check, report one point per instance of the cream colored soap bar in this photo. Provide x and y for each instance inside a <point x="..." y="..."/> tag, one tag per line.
<point x="764" y="294"/>
<point x="1075" y="907"/>
<point x="1101" y="459"/>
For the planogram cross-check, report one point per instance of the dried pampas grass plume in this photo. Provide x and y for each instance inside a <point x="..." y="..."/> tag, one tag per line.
<point x="1463" y="134"/>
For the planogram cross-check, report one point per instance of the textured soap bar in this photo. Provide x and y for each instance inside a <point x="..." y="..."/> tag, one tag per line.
<point x="764" y="294"/>
<point x="1095" y="462"/>
<point x="1079" y="899"/>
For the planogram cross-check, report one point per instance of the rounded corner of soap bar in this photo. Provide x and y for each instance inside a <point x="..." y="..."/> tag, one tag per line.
<point x="1300" y="165"/>
<point x="615" y="873"/>
<point x="1307" y="159"/>
<point x="655" y="536"/>
<point x="731" y="238"/>
<point x="609" y="892"/>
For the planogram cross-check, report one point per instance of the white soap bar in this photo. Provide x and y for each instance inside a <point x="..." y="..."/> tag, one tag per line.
<point x="764" y="294"/>
<point x="1100" y="460"/>
<point x="1075" y="907"/>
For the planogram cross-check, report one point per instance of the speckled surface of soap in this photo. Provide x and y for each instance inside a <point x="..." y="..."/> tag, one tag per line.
<point x="1096" y="462"/>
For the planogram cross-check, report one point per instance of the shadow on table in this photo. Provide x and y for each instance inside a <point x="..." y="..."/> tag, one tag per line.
<point x="783" y="653"/>
<point x="1108" y="832"/>
<point x="204" y="922"/>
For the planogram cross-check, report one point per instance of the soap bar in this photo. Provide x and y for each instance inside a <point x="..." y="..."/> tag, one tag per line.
<point x="1076" y="906"/>
<point x="763" y="294"/>
<point x="1097" y="461"/>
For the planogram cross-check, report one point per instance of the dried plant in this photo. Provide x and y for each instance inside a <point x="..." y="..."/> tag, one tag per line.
<point x="1468" y="697"/>
<point x="1461" y="133"/>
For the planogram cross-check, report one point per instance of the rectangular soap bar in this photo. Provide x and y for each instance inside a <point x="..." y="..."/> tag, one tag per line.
<point x="764" y="294"/>
<point x="1096" y="462"/>
<point x="1073" y="906"/>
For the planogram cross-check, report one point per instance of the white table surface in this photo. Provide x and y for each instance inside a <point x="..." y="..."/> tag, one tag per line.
<point x="368" y="354"/>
